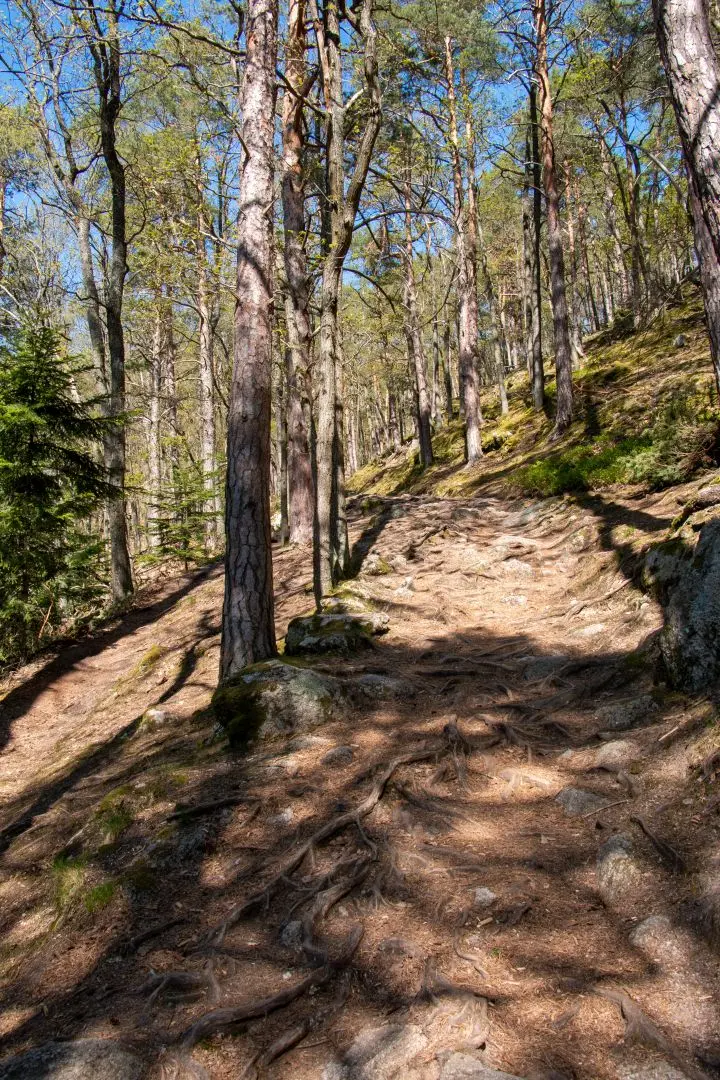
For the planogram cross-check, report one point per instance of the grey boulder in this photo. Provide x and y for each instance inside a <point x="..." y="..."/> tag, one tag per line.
<point x="99" y="1059"/>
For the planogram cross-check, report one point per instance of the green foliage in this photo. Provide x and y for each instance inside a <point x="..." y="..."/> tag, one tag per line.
<point x="49" y="485"/>
<point x="99" y="896"/>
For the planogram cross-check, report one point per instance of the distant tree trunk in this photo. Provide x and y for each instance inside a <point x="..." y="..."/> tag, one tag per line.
<point x="342" y="540"/>
<point x="435" y="401"/>
<point x="693" y="74"/>
<point x="248" y="629"/>
<point x="447" y="373"/>
<point x="282" y="455"/>
<point x="393" y="425"/>
<point x="574" y="305"/>
<point x="612" y="227"/>
<point x="414" y="340"/>
<point x="105" y="52"/>
<point x="467" y="281"/>
<point x="206" y="387"/>
<point x="154" y="446"/>
<point x="297" y="356"/>
<point x="558" y="296"/>
<point x="532" y="219"/>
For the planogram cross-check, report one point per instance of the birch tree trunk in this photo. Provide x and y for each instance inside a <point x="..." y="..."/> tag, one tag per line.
<point x="693" y="74"/>
<point x="248" y="630"/>
<point x="558" y="295"/>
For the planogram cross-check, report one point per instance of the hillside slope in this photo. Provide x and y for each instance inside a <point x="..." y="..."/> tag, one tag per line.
<point x="646" y="415"/>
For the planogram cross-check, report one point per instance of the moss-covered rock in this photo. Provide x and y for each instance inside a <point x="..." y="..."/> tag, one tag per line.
<point x="274" y="698"/>
<point x="336" y="632"/>
<point x="684" y="574"/>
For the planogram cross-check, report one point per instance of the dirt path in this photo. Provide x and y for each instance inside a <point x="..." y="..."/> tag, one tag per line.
<point x="490" y="931"/>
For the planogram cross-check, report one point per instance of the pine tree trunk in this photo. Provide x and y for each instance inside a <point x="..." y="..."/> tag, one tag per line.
<point x="447" y="373"/>
<point x="106" y="62"/>
<point x="297" y="356"/>
<point x="435" y="402"/>
<point x="414" y="340"/>
<point x="154" y="447"/>
<point x="693" y="74"/>
<point x="467" y="281"/>
<point x="532" y="218"/>
<point x="248" y="630"/>
<point x="206" y="390"/>
<point x="558" y="296"/>
<point x="340" y="207"/>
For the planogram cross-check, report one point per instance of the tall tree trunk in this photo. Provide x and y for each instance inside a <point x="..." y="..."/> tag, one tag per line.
<point x="447" y="372"/>
<point x="532" y="220"/>
<point x="297" y="357"/>
<point x="248" y="629"/>
<point x="558" y="296"/>
<point x="282" y="455"/>
<point x="574" y="304"/>
<point x="435" y="403"/>
<point x="206" y="389"/>
<point x="413" y="337"/>
<point x="105" y="53"/>
<point x="693" y="74"/>
<point x="154" y="446"/>
<point x="339" y="211"/>
<point x="342" y="539"/>
<point x="467" y="280"/>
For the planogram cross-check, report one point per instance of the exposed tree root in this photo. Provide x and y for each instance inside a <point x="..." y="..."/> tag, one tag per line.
<point x="330" y="828"/>
<point x="284" y="1042"/>
<point x="668" y="854"/>
<point x="155" y="931"/>
<point x="181" y="985"/>
<point x="183" y="813"/>
<point x="229" y="1019"/>
<point x="639" y="1028"/>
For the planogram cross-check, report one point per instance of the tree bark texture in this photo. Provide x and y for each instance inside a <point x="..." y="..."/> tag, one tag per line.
<point x="339" y="211"/>
<point x="467" y="281"/>
<point x="414" y="340"/>
<point x="558" y="295"/>
<point x="693" y="74"/>
<point x="301" y="488"/>
<point x="248" y="630"/>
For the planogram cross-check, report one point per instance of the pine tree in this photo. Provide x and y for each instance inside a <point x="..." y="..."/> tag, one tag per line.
<point x="50" y="482"/>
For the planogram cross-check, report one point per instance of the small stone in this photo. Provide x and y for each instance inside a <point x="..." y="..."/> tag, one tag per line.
<point x="517" y="567"/>
<point x="484" y="897"/>
<point x="102" y="1059"/>
<point x="292" y="935"/>
<point x="680" y="341"/>
<point x="340" y="755"/>
<point x="617" y="871"/>
<point x="659" y="1070"/>
<point x="156" y="717"/>
<point x="623" y="715"/>
<point x="285" y="817"/>
<point x="383" y="686"/>
<point x="407" y="588"/>
<point x="517" y="600"/>
<point x="592" y="630"/>
<point x="518" y="776"/>
<point x="379" y="1054"/>
<point x="466" y="1067"/>
<point x="617" y="754"/>
<point x="576" y="801"/>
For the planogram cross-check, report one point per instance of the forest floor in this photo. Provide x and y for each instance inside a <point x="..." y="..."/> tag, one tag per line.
<point x="490" y="932"/>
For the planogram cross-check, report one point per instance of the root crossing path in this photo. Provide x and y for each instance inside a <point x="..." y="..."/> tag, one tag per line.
<point x="492" y="861"/>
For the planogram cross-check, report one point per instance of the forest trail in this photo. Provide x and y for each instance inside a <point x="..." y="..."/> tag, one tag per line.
<point x="490" y="932"/>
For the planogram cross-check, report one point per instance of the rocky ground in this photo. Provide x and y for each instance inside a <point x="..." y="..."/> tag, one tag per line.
<point x="497" y="856"/>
